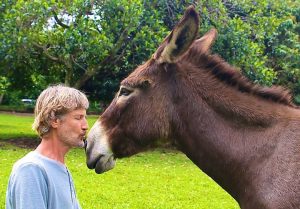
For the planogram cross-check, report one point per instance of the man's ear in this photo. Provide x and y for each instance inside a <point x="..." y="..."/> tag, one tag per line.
<point x="54" y="120"/>
<point x="54" y="123"/>
<point x="180" y="39"/>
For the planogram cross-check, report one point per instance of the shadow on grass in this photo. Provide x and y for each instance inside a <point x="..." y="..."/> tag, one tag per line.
<point x="26" y="143"/>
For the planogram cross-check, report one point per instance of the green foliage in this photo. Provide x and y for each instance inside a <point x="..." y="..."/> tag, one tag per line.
<point x="13" y="98"/>
<point x="297" y="99"/>
<point x="142" y="40"/>
<point x="93" y="45"/>
<point x="55" y="42"/>
<point x="21" y="108"/>
<point x="4" y="84"/>
<point x="235" y="46"/>
<point x="261" y="38"/>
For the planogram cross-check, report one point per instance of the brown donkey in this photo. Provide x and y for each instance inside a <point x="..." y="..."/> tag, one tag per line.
<point x="244" y="136"/>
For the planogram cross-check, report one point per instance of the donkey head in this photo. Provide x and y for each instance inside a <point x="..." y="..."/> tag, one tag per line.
<point x="143" y="110"/>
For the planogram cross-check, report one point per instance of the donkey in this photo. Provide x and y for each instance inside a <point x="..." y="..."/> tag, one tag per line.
<point x="244" y="136"/>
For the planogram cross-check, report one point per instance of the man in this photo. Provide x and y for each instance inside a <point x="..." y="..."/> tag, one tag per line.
<point x="41" y="180"/>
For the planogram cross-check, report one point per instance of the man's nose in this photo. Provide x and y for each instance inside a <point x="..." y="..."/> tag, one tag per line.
<point x="85" y="125"/>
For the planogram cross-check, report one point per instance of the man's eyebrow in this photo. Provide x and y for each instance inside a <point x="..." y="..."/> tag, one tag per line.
<point x="78" y="114"/>
<point x="81" y="115"/>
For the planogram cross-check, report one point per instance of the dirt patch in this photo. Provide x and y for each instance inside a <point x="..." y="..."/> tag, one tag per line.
<point x="28" y="143"/>
<point x="17" y="113"/>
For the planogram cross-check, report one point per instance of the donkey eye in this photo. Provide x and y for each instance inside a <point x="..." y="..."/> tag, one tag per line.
<point x="124" y="92"/>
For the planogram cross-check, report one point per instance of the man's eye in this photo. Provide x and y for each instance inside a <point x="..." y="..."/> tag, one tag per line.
<point x="78" y="117"/>
<point x="124" y="92"/>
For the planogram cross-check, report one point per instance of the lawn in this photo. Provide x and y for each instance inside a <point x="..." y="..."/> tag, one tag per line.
<point x="16" y="126"/>
<point x="19" y="125"/>
<point x="155" y="179"/>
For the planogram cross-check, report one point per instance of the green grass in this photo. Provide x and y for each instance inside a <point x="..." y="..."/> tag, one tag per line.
<point x="157" y="179"/>
<point x="16" y="126"/>
<point x="19" y="125"/>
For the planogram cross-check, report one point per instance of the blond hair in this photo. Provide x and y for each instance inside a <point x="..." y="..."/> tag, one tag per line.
<point x="54" y="102"/>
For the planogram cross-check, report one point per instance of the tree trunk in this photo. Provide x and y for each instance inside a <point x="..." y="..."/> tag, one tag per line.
<point x="1" y="98"/>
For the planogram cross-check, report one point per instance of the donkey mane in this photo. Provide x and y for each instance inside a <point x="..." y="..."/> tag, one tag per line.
<point x="224" y="72"/>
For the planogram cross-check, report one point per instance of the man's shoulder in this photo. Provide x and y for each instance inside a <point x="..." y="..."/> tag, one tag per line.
<point x="40" y="162"/>
<point x="30" y="160"/>
<point x="30" y="157"/>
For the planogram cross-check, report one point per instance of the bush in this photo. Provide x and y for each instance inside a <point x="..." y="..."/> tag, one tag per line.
<point x="297" y="99"/>
<point x="17" y="108"/>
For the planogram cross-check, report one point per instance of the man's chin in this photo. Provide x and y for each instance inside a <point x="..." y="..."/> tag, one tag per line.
<point x="81" y="144"/>
<point x="78" y="144"/>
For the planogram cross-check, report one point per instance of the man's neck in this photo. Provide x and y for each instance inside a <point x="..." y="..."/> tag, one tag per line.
<point x="52" y="148"/>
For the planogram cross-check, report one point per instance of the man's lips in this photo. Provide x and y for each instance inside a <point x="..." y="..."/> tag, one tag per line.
<point x="82" y="137"/>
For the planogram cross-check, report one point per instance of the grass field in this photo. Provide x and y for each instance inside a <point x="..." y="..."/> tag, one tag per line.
<point x="157" y="179"/>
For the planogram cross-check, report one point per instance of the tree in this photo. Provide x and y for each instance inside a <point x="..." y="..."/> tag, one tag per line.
<point x="92" y="45"/>
<point x="47" y="42"/>
<point x="4" y="84"/>
<point x="260" y="37"/>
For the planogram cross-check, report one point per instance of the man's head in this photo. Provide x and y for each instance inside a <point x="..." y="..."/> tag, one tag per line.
<point x="54" y="103"/>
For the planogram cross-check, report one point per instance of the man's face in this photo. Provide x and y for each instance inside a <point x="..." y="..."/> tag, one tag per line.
<point x="72" y="128"/>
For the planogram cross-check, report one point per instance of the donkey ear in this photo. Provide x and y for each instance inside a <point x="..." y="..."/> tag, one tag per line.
<point x="205" y="42"/>
<point x="180" y="39"/>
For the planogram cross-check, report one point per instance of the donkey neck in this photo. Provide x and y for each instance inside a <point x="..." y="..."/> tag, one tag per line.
<point x="221" y="140"/>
